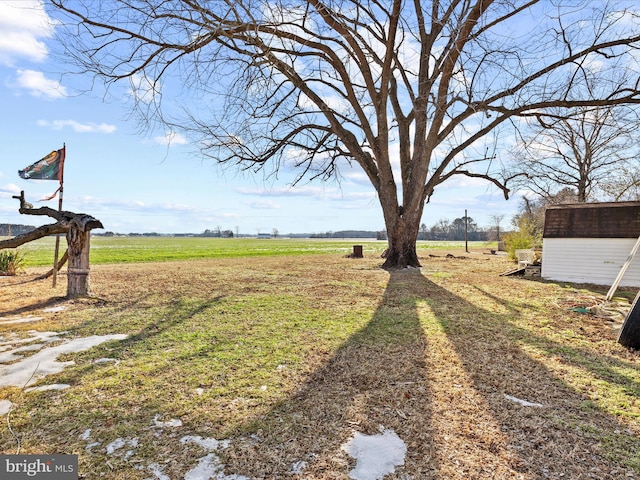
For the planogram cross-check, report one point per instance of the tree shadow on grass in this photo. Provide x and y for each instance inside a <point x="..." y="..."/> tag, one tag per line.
<point x="603" y="367"/>
<point x="442" y="372"/>
<point x="375" y="380"/>
<point x="570" y="437"/>
<point x="51" y="302"/>
<point x="152" y="332"/>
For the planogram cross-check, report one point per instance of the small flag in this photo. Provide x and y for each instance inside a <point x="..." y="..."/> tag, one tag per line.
<point x="47" y="168"/>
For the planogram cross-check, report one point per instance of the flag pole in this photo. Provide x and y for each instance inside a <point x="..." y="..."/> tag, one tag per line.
<point x="55" y="254"/>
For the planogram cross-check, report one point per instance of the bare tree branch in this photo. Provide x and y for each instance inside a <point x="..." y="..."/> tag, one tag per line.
<point x="43" y="231"/>
<point x="320" y="86"/>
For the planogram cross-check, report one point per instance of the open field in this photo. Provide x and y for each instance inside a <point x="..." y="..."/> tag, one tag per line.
<point x="281" y="358"/>
<point x="159" y="249"/>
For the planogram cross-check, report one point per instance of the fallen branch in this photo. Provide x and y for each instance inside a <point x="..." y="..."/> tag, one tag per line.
<point x="62" y="261"/>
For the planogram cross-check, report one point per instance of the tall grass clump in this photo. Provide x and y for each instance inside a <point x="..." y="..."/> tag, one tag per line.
<point x="527" y="236"/>
<point x="11" y="262"/>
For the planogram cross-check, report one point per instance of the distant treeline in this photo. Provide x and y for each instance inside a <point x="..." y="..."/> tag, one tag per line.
<point x="11" y="230"/>
<point x="443" y="230"/>
<point x="472" y="235"/>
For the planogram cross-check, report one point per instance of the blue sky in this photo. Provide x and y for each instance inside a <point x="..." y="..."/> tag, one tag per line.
<point x="137" y="182"/>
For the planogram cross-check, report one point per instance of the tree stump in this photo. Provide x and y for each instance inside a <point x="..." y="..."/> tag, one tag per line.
<point x="78" y="268"/>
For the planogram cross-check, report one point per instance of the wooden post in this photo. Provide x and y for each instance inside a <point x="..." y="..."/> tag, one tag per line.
<point x="78" y="269"/>
<point x="466" y="231"/>
<point x="60" y="193"/>
<point x="55" y="253"/>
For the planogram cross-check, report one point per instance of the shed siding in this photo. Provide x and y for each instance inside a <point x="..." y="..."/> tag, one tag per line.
<point x="589" y="260"/>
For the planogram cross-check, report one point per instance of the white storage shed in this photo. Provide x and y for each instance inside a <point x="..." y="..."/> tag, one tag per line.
<point x="589" y="243"/>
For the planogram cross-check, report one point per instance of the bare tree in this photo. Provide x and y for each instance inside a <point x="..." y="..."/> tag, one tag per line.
<point x="590" y="151"/>
<point x="625" y="185"/>
<point x="320" y="85"/>
<point x="497" y="219"/>
<point x="441" y="230"/>
<point x="532" y="210"/>
<point x="424" y="231"/>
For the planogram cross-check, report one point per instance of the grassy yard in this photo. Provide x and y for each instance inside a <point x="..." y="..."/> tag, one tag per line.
<point x="282" y="357"/>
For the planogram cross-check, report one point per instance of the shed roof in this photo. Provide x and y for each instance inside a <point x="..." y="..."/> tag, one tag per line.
<point x="593" y="220"/>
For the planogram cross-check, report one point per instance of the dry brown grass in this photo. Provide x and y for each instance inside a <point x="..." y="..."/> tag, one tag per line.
<point x="432" y="357"/>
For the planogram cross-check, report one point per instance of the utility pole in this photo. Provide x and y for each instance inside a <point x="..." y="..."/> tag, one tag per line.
<point x="466" y="231"/>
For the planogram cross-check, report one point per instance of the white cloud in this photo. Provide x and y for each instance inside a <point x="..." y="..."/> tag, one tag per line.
<point x="78" y="127"/>
<point x="333" y="101"/>
<point x="264" y="205"/>
<point x="304" y="191"/>
<point x="459" y="182"/>
<point x="38" y="85"/>
<point x="358" y="177"/>
<point x="170" y="138"/>
<point x="100" y="204"/>
<point x="10" y="188"/>
<point x="143" y="89"/>
<point x="103" y="204"/>
<point x="316" y="193"/>
<point x="23" y="24"/>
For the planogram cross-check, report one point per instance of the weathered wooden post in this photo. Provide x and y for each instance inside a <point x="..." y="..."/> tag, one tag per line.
<point x="77" y="227"/>
<point x="78" y="268"/>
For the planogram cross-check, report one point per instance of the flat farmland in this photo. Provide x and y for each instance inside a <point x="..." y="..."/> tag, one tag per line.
<point x="157" y="249"/>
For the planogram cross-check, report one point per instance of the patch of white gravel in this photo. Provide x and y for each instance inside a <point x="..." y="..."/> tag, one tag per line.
<point x="26" y="372"/>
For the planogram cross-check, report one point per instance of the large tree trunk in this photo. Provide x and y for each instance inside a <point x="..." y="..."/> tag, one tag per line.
<point x="402" y="247"/>
<point x="402" y="221"/>
<point x="402" y="235"/>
